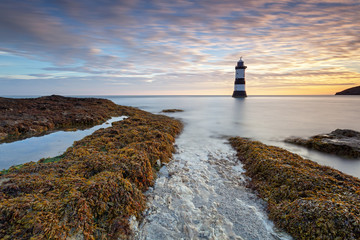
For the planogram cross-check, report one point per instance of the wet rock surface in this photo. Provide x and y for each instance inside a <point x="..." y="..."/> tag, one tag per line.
<point x="342" y="142"/>
<point x="201" y="194"/>
<point x="21" y="118"/>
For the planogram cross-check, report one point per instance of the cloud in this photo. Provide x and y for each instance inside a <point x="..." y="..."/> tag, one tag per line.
<point x="185" y="43"/>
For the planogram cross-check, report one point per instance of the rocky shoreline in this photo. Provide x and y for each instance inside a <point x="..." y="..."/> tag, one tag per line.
<point x="22" y="118"/>
<point x="307" y="200"/>
<point x="342" y="142"/>
<point x="94" y="188"/>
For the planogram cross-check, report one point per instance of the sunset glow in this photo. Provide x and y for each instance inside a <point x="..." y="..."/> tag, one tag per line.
<point x="180" y="47"/>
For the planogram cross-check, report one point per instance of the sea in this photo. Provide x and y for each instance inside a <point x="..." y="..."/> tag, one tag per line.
<point x="269" y="119"/>
<point x="201" y="193"/>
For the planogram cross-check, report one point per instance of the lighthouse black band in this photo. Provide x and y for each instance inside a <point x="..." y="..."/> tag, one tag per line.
<point x="240" y="81"/>
<point x="240" y="67"/>
<point x="239" y="94"/>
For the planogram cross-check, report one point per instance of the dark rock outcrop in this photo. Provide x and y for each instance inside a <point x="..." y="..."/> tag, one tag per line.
<point x="172" y="110"/>
<point x="350" y="91"/>
<point x="342" y="142"/>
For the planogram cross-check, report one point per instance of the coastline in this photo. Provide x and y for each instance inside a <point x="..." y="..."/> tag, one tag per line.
<point x="308" y="200"/>
<point x="28" y="117"/>
<point x="93" y="189"/>
<point x="91" y="156"/>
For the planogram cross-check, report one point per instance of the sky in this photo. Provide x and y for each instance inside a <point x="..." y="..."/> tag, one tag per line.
<point x="178" y="47"/>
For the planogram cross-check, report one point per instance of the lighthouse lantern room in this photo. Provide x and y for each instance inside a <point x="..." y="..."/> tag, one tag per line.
<point x="239" y="86"/>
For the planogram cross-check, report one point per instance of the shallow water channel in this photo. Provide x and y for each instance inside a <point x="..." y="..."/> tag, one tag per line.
<point x="51" y="145"/>
<point x="201" y="194"/>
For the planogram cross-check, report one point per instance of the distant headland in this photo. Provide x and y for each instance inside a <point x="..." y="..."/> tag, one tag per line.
<point x="350" y="91"/>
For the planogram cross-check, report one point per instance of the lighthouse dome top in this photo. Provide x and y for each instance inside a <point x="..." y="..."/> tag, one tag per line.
<point x="240" y="63"/>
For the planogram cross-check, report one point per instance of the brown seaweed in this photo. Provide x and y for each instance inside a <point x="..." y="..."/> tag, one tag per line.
<point x="22" y="118"/>
<point x="307" y="200"/>
<point x="93" y="188"/>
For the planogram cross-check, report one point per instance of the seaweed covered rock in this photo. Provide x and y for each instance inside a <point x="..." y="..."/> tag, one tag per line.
<point x="21" y="118"/>
<point x="93" y="189"/>
<point x="173" y="110"/>
<point x="342" y="142"/>
<point x="307" y="200"/>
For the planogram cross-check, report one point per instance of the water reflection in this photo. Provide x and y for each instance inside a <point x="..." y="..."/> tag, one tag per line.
<point x="51" y="145"/>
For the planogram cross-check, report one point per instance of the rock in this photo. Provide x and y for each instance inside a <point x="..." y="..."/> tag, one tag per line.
<point x="78" y="236"/>
<point x="3" y="136"/>
<point x="2" y="180"/>
<point x="306" y="199"/>
<point x="350" y="91"/>
<point x="342" y="133"/>
<point x="94" y="188"/>
<point x="133" y="225"/>
<point x="158" y="162"/>
<point x="21" y="118"/>
<point x="172" y="110"/>
<point x="342" y="142"/>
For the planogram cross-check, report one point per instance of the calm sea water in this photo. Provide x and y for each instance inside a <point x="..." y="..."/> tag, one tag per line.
<point x="268" y="119"/>
<point x="51" y="145"/>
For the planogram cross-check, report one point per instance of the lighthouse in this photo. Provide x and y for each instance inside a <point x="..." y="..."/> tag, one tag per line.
<point x="239" y="88"/>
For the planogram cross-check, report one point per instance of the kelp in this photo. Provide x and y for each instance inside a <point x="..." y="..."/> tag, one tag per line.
<point x="94" y="187"/>
<point x="307" y="200"/>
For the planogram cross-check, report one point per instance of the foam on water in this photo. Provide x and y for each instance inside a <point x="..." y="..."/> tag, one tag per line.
<point x="201" y="194"/>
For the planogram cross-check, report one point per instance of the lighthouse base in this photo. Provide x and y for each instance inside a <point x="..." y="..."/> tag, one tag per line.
<point x="239" y="94"/>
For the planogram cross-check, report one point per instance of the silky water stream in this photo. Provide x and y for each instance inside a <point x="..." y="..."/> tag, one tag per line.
<point x="201" y="194"/>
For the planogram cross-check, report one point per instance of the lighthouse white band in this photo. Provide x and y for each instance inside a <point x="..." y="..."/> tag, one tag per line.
<point x="239" y="87"/>
<point x="240" y="73"/>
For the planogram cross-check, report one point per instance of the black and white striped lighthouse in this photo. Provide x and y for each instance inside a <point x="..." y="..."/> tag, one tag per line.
<point x="239" y="88"/>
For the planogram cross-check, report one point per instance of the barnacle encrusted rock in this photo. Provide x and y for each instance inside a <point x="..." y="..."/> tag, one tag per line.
<point x="21" y="118"/>
<point x="93" y="189"/>
<point x="307" y="200"/>
<point x="342" y="142"/>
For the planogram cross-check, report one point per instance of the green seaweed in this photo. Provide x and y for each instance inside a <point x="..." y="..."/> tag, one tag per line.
<point x="52" y="159"/>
